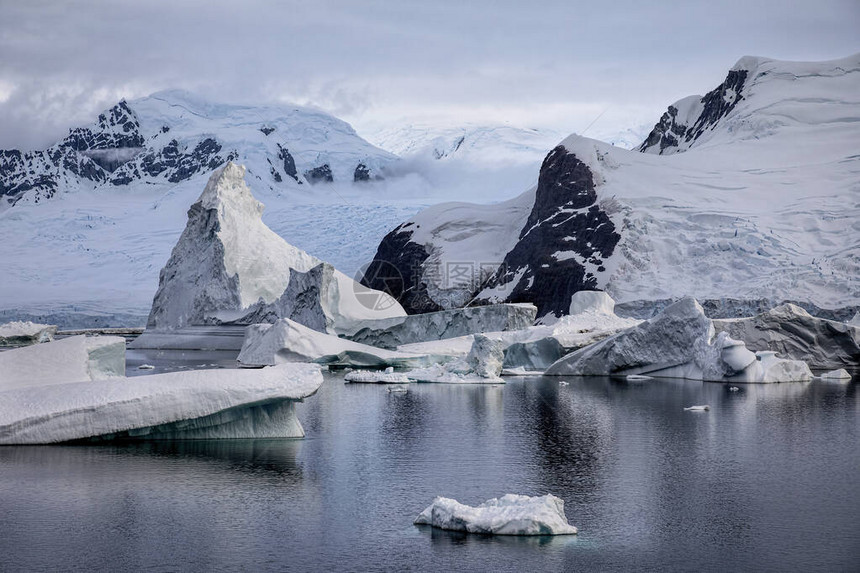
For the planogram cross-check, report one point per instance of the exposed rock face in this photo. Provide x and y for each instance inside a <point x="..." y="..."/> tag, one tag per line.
<point x="677" y="343"/>
<point x="397" y="269"/>
<point x="688" y="119"/>
<point x="560" y="248"/>
<point x="393" y="332"/>
<point x="563" y="245"/>
<point x="229" y="268"/>
<point x="794" y="333"/>
<point x="362" y="173"/>
<point x="321" y="174"/>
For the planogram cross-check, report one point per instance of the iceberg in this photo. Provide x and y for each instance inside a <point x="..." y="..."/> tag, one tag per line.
<point x="840" y="375"/>
<point x="229" y="268"/>
<point x="200" y="404"/>
<point x="393" y="332"/>
<point x="483" y="365"/>
<point x="25" y="333"/>
<point x="389" y="376"/>
<point x="74" y="359"/>
<point x="679" y="343"/>
<point x="535" y="348"/>
<point x="794" y="333"/>
<point x="510" y="514"/>
<point x="288" y="341"/>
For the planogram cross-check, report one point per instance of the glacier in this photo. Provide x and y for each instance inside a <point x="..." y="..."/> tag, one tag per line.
<point x="510" y="514"/>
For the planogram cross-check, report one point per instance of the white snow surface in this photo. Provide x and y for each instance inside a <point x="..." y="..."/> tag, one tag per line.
<point x="200" y="404"/>
<point x="510" y="514"/>
<point x="74" y="359"/>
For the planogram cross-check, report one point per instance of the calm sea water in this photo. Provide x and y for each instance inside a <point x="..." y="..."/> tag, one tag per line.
<point x="766" y="481"/>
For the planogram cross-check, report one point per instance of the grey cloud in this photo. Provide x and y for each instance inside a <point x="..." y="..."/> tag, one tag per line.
<point x="361" y="60"/>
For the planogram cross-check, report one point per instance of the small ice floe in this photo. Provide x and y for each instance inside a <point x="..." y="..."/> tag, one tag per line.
<point x="638" y="378"/>
<point x="397" y="390"/>
<point x="733" y="388"/>
<point x="372" y="376"/>
<point x="698" y="408"/>
<point x="510" y="514"/>
<point x="840" y="375"/>
<point x="146" y="367"/>
<point x="563" y="383"/>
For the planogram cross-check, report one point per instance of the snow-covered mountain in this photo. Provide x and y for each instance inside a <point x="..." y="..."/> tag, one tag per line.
<point x="171" y="136"/>
<point x="751" y="192"/>
<point x="499" y="144"/>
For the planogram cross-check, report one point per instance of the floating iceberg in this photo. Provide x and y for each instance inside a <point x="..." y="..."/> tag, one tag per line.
<point x="229" y="268"/>
<point x="483" y="365"/>
<point x="794" y="333"/>
<point x="25" y="333"/>
<point x="840" y="375"/>
<point x="393" y="332"/>
<point x="289" y="341"/>
<point x="389" y="376"/>
<point x="535" y="348"/>
<point x="74" y="359"/>
<point x="510" y="514"/>
<point x="679" y="343"/>
<point x="200" y="404"/>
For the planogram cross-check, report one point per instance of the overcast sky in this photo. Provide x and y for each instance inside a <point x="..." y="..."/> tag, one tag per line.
<point x="374" y="63"/>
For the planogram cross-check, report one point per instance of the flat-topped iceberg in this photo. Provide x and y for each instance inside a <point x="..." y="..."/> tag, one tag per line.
<point x="794" y="333"/>
<point x="388" y="376"/>
<point x="510" y="514"/>
<point x="25" y="333"/>
<point x="679" y="343"/>
<point x="199" y="404"/>
<point x="393" y="332"/>
<point x="289" y="341"/>
<point x="74" y="359"/>
<point x="228" y="267"/>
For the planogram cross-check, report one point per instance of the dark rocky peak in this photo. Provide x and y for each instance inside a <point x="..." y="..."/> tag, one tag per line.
<point x="563" y="245"/>
<point x="267" y="129"/>
<point x="116" y="128"/>
<point x="321" y="174"/>
<point x="362" y="173"/>
<point x="674" y="133"/>
<point x="289" y="164"/>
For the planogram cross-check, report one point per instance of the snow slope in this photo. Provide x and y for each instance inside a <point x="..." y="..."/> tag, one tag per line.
<point x="763" y="202"/>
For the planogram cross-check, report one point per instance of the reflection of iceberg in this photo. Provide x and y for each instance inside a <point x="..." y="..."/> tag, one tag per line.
<point x="180" y="405"/>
